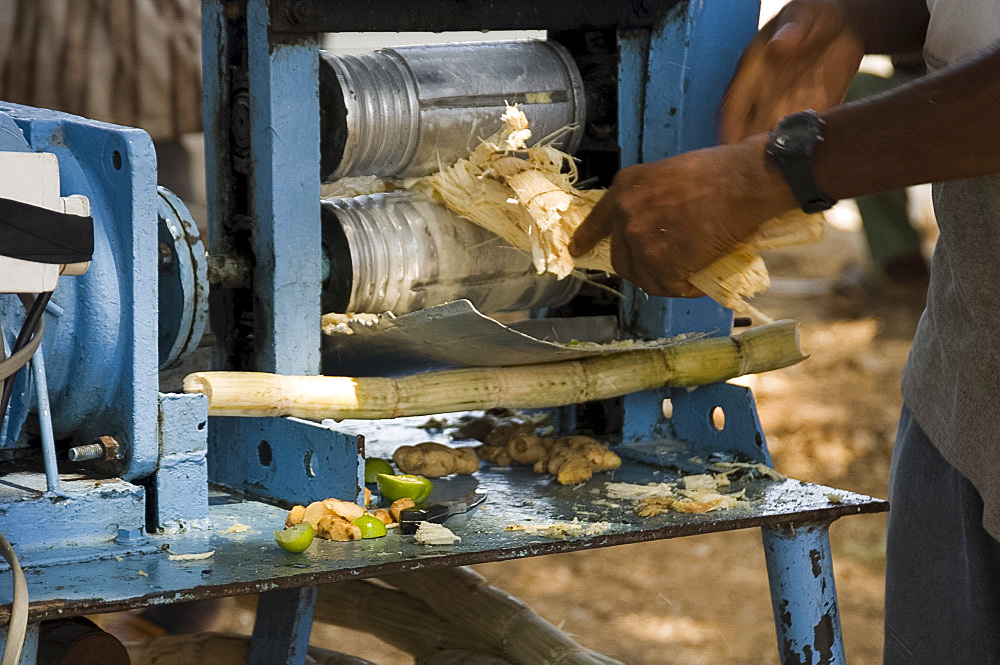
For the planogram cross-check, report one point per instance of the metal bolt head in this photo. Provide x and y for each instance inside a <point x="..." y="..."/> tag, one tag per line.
<point x="112" y="449"/>
<point x="300" y="12"/>
<point x="166" y="256"/>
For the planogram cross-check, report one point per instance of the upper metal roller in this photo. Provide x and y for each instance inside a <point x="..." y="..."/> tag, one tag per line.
<point x="406" y="111"/>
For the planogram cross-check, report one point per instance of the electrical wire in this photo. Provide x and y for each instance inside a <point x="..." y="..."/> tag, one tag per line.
<point x="31" y="323"/>
<point x="17" y="629"/>
<point x="10" y="366"/>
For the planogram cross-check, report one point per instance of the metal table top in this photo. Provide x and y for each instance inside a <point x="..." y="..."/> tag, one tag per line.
<point x="249" y="561"/>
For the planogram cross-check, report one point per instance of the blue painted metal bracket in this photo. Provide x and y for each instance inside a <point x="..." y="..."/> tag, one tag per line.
<point x="29" y="652"/>
<point x="671" y="81"/>
<point x="742" y="432"/>
<point x="178" y="493"/>
<point x="82" y="521"/>
<point x="284" y="144"/>
<point x="285" y="460"/>
<point x="803" y="594"/>
<point x="281" y="629"/>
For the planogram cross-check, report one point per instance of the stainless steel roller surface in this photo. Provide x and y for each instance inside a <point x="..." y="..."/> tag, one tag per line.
<point x="407" y="111"/>
<point x="399" y="252"/>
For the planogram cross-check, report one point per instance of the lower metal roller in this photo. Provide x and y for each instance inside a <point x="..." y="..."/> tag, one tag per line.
<point x="399" y="252"/>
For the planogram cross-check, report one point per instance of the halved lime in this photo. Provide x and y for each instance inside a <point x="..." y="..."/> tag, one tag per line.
<point x="403" y="486"/>
<point x="295" y="538"/>
<point x="375" y="466"/>
<point x="371" y="526"/>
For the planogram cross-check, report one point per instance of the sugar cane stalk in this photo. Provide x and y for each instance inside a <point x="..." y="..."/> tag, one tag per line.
<point x="689" y="363"/>
<point x="495" y="617"/>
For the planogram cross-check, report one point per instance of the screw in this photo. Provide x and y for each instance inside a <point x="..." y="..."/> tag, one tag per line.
<point x="105" y="448"/>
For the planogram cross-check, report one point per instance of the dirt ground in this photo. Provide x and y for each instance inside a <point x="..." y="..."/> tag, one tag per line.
<point x="705" y="599"/>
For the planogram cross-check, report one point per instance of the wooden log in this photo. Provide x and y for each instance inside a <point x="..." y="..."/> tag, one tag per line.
<point x="453" y="657"/>
<point x="495" y="617"/>
<point x="400" y="620"/>
<point x="689" y="363"/>
<point x="216" y="649"/>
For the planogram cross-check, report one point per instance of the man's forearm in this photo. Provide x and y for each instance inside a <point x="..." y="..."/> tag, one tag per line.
<point x="940" y="127"/>
<point x="888" y="26"/>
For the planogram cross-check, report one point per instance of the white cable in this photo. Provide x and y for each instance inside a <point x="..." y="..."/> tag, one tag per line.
<point x="17" y="629"/>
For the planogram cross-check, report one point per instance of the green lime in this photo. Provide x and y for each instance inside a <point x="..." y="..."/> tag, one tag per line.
<point x="371" y="526"/>
<point x="404" y="486"/>
<point x="375" y="466"/>
<point x="295" y="538"/>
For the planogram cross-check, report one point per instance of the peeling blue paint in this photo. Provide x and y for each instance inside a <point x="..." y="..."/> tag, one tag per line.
<point x="803" y="594"/>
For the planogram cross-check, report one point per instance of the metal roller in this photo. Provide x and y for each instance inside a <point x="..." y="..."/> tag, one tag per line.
<point x="400" y="252"/>
<point x="405" y="111"/>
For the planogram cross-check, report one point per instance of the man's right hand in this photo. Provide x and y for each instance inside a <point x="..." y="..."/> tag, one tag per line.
<point x="805" y="57"/>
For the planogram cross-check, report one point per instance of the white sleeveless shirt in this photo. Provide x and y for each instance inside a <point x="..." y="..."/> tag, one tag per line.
<point x="959" y="29"/>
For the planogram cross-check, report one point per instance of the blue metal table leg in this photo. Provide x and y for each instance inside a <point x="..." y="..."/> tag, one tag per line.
<point x="800" y="568"/>
<point x="281" y="630"/>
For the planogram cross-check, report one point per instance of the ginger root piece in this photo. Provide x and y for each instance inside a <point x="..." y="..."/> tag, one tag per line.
<point x="526" y="448"/>
<point x="477" y="428"/>
<point x="435" y="460"/>
<point x="295" y="516"/>
<point x="345" y="509"/>
<point x="315" y="512"/>
<point x="495" y="455"/>
<point x="383" y="516"/>
<point x="507" y="428"/>
<point x="332" y="527"/>
<point x="399" y="505"/>
<point x="574" y="459"/>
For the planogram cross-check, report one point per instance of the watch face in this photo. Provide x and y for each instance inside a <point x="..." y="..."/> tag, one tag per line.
<point x="798" y="132"/>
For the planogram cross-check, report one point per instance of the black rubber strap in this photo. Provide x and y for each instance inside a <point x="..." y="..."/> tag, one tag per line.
<point x="32" y="233"/>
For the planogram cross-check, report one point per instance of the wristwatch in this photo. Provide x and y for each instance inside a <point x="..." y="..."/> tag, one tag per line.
<point x="792" y="145"/>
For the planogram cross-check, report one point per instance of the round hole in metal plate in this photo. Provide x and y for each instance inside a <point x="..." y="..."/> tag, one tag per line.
<point x="264" y="453"/>
<point x="718" y="418"/>
<point x="309" y="464"/>
<point x="667" y="408"/>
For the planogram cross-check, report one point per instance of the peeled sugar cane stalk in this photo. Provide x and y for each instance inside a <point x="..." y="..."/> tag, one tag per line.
<point x="527" y="196"/>
<point x="688" y="363"/>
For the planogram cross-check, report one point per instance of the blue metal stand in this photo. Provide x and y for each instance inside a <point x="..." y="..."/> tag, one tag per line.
<point x="281" y="631"/>
<point x="803" y="594"/>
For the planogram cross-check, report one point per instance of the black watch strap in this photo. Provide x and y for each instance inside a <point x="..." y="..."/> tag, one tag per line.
<point x="792" y="146"/>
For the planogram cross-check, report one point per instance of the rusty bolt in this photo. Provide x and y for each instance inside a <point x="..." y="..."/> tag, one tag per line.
<point x="105" y="448"/>
<point x="166" y="256"/>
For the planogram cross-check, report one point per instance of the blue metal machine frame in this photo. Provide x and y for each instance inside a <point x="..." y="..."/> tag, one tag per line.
<point x="262" y="130"/>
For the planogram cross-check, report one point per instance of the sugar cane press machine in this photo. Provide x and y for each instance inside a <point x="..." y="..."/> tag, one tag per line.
<point x="115" y="495"/>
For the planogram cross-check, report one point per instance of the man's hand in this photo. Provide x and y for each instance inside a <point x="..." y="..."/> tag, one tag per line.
<point x="805" y="57"/>
<point x="672" y="218"/>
